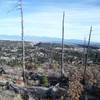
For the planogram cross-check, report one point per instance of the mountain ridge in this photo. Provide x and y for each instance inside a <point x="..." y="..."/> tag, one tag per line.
<point x="43" y="39"/>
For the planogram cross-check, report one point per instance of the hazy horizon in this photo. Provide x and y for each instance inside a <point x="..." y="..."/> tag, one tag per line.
<point x="44" y="39"/>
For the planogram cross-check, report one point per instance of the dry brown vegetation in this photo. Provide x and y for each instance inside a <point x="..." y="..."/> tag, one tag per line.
<point x="76" y="85"/>
<point x="74" y="88"/>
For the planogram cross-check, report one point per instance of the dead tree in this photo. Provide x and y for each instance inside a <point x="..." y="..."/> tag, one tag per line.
<point x="86" y="54"/>
<point x="62" y="54"/>
<point x="85" y="63"/>
<point x="22" y="34"/>
<point x="20" y="6"/>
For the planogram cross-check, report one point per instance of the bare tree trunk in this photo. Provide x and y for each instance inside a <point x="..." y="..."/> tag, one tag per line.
<point x="85" y="63"/>
<point x="62" y="55"/>
<point x="22" y="33"/>
<point x="86" y="54"/>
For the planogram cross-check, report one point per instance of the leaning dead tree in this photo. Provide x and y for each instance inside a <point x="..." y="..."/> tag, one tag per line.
<point x="62" y="54"/>
<point x="85" y="62"/>
<point x="86" y="54"/>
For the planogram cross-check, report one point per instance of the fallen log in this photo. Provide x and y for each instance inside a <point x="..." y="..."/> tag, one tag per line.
<point x="51" y="92"/>
<point x="40" y="92"/>
<point x="35" y="91"/>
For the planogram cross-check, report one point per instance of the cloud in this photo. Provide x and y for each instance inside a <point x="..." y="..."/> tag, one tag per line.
<point x="47" y="20"/>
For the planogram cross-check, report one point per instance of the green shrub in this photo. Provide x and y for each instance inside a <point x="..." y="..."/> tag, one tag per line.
<point x="44" y="81"/>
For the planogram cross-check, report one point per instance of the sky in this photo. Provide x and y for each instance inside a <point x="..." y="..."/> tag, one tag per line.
<point x="44" y="18"/>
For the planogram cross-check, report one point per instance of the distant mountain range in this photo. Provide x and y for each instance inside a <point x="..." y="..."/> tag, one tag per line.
<point x="44" y="39"/>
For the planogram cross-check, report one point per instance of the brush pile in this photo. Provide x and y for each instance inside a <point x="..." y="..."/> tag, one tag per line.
<point x="43" y="87"/>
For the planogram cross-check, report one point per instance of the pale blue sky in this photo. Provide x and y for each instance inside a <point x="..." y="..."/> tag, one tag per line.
<point x="43" y="18"/>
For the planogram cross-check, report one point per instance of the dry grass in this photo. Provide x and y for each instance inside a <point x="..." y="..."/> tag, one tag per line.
<point x="10" y="96"/>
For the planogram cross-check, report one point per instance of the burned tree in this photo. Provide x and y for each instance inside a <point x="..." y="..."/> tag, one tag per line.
<point x="62" y="54"/>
